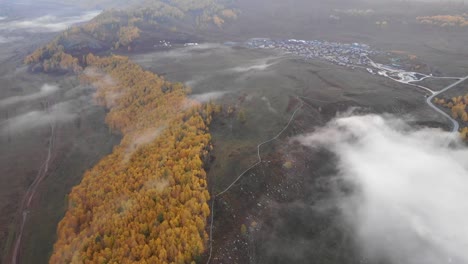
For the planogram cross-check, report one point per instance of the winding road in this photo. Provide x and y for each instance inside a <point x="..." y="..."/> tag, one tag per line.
<point x="259" y="146"/>
<point x="384" y="69"/>
<point x="456" y="126"/>
<point x="27" y="199"/>
<point x="455" y="129"/>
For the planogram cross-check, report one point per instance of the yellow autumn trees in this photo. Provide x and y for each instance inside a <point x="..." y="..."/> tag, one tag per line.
<point x="229" y="14"/>
<point x="144" y="204"/>
<point x="445" y="20"/>
<point x="53" y="57"/>
<point x="458" y="107"/>
<point x="127" y="35"/>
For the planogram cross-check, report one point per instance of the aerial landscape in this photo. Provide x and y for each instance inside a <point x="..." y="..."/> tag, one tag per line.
<point x="234" y="131"/>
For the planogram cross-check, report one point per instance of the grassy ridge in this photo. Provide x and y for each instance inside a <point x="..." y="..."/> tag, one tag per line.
<point x="118" y="29"/>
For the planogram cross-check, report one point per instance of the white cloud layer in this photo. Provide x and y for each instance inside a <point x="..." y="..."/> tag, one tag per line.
<point x="408" y="202"/>
<point x="207" y="97"/>
<point x="45" y="90"/>
<point x="9" y="39"/>
<point x="60" y="112"/>
<point x="259" y="66"/>
<point x="181" y="54"/>
<point x="48" y="23"/>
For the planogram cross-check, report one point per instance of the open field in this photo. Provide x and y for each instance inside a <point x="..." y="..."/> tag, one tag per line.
<point x="272" y="201"/>
<point x="436" y="84"/>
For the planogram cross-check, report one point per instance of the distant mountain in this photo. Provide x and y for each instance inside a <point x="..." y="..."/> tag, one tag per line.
<point x="117" y="29"/>
<point x="123" y="4"/>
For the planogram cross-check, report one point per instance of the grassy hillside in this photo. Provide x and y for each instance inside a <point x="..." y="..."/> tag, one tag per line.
<point x="118" y="29"/>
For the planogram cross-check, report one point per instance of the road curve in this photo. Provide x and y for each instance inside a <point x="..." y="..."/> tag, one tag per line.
<point x="456" y="126"/>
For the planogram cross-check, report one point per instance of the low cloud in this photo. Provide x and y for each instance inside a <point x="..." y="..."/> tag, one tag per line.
<point x="140" y="140"/>
<point x="184" y="53"/>
<point x="256" y="67"/>
<point x="45" y="90"/>
<point x="48" y="23"/>
<point x="406" y="188"/>
<point x="93" y="72"/>
<point x="159" y="185"/>
<point x="60" y="112"/>
<point x="4" y="40"/>
<point x="207" y="97"/>
<point x="268" y="103"/>
<point x="102" y="79"/>
<point x="199" y="79"/>
<point x="259" y="65"/>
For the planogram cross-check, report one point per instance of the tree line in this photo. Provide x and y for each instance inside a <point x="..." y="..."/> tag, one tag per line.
<point x="458" y="107"/>
<point x="146" y="202"/>
<point x="444" y="20"/>
<point x="118" y="29"/>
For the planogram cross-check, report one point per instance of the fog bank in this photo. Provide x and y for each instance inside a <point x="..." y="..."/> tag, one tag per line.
<point x="44" y="91"/>
<point x="60" y="112"/>
<point x="406" y="189"/>
<point x="207" y="97"/>
<point x="48" y="23"/>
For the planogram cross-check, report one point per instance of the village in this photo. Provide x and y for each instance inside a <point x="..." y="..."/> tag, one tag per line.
<point x="343" y="54"/>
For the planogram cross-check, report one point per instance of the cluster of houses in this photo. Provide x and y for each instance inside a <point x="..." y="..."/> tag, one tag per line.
<point x="163" y="44"/>
<point x="343" y="54"/>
